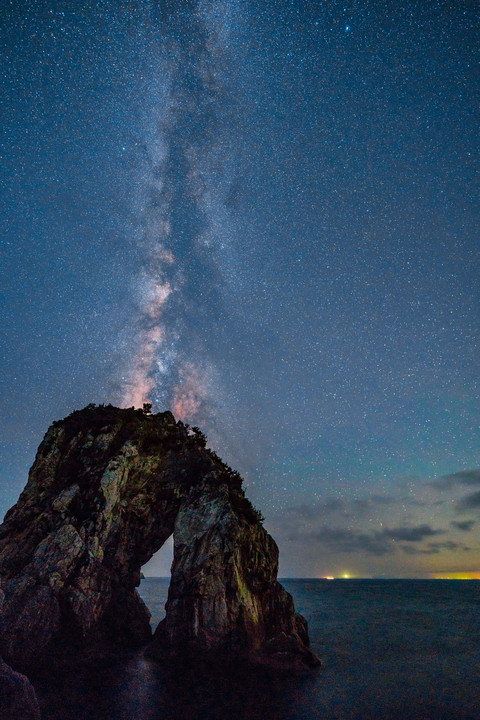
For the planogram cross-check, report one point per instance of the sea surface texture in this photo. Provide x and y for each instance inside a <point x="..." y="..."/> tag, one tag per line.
<point x="391" y="649"/>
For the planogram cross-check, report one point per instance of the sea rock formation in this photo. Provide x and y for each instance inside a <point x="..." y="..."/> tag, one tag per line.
<point x="17" y="696"/>
<point x="107" y="488"/>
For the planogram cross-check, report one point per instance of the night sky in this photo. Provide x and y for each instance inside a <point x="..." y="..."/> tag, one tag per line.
<point x="263" y="216"/>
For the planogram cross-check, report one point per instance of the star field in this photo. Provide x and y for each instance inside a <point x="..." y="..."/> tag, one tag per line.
<point x="264" y="218"/>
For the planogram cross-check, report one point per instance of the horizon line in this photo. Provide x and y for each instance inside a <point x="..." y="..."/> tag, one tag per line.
<point x="344" y="579"/>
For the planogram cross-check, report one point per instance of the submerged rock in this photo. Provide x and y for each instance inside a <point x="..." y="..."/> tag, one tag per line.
<point x="107" y="488"/>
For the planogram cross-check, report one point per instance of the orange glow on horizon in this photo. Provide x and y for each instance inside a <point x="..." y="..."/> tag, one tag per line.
<point x="457" y="576"/>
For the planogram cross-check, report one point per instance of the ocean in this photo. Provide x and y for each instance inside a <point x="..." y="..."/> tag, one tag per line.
<point x="390" y="650"/>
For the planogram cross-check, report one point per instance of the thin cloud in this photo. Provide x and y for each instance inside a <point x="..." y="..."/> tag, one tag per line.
<point x="382" y="500"/>
<point x="409" y="550"/>
<point x="464" y="477"/>
<point x="375" y="543"/>
<point x="349" y="541"/>
<point x="447" y="545"/>
<point x="310" y="512"/>
<point x="434" y="548"/>
<point x="411" y="534"/>
<point x="339" y="507"/>
<point x="469" y="502"/>
<point x="464" y="525"/>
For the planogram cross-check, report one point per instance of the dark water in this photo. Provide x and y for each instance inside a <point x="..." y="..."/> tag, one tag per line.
<point x="394" y="650"/>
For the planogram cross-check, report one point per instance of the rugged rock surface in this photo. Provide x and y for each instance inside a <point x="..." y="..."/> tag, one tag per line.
<point x="107" y="488"/>
<point x="17" y="696"/>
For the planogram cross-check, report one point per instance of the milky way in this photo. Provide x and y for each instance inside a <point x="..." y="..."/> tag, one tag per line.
<point x="185" y="230"/>
<point x="263" y="217"/>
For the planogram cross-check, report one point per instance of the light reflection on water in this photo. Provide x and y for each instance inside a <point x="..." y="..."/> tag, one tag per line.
<point x="406" y="650"/>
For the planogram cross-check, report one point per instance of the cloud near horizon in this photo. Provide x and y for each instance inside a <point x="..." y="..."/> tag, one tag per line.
<point x="469" y="502"/>
<point x="393" y="530"/>
<point x="378" y="542"/>
<point x="339" y="507"/>
<point x="464" y="526"/>
<point x="463" y="477"/>
<point x="434" y="548"/>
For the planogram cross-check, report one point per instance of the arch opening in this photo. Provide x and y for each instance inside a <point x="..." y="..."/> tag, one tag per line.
<point x="156" y="575"/>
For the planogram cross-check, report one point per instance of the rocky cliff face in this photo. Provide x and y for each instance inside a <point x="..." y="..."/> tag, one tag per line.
<point x="107" y="488"/>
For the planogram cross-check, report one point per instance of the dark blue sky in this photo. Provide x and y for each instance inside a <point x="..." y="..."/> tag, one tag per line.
<point x="264" y="217"/>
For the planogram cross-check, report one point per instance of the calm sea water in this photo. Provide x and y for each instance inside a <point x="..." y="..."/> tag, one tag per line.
<point x="391" y="650"/>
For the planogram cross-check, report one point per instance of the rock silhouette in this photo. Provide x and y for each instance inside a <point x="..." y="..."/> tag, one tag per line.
<point x="107" y="488"/>
<point x="17" y="696"/>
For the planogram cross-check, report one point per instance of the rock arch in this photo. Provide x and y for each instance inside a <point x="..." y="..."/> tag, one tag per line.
<point x="107" y="488"/>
